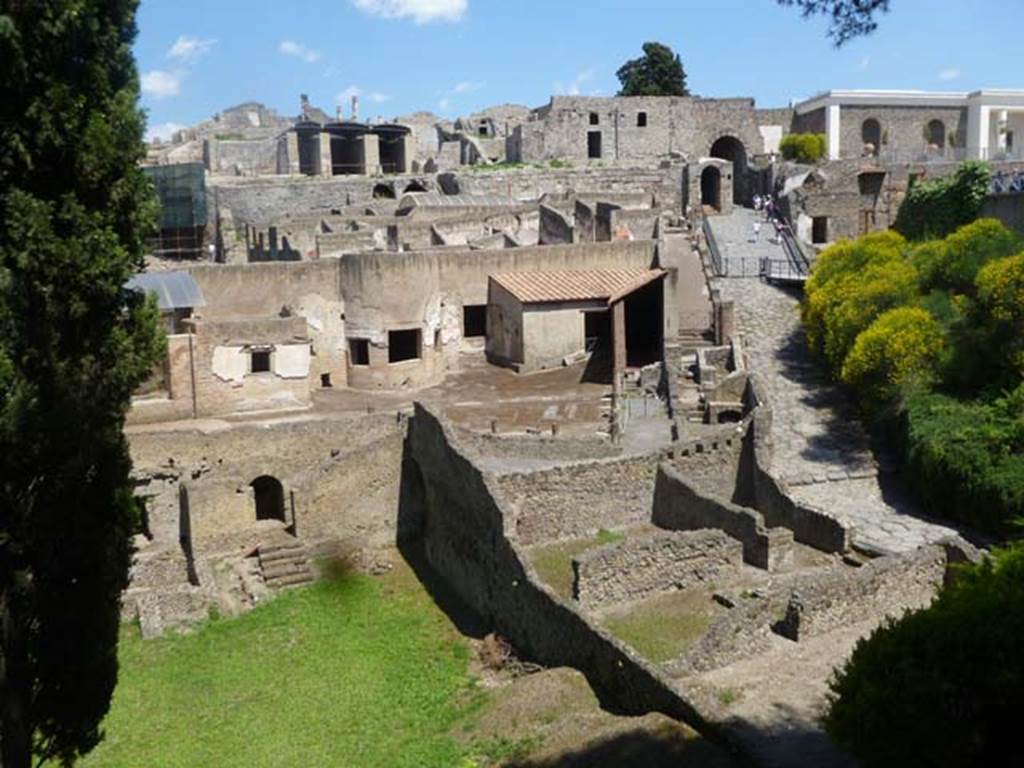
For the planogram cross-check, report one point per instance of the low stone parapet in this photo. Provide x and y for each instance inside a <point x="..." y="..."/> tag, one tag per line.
<point x="658" y="562"/>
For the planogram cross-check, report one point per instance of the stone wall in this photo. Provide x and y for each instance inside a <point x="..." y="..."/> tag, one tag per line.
<point x="462" y="519"/>
<point x="578" y="499"/>
<point x="759" y="488"/>
<point x="536" y="447"/>
<point x="661" y="561"/>
<point x="555" y="227"/>
<point x="1008" y="208"/>
<point x="680" y="506"/>
<point x="228" y="459"/>
<point x="636" y="129"/>
<point x="810" y="604"/>
<point x="887" y="586"/>
<point x="902" y="128"/>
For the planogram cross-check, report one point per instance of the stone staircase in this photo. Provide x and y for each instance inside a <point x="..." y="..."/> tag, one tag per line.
<point x="285" y="564"/>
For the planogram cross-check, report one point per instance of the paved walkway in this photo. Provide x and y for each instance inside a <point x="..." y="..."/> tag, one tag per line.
<point x="733" y="232"/>
<point x="821" y="451"/>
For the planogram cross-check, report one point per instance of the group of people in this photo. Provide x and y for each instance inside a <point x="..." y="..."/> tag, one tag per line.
<point x="766" y="205"/>
<point x="1007" y="182"/>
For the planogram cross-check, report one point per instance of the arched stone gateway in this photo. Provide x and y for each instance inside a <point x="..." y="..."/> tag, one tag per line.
<point x="732" y="149"/>
<point x="269" y="495"/>
<point x="383" y="192"/>
<point x="711" y="188"/>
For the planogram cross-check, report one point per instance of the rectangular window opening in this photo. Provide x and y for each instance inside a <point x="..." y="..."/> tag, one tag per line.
<point x="259" y="361"/>
<point x="641" y="119"/>
<point x="403" y="345"/>
<point x="474" y="321"/>
<point x="359" y="351"/>
<point x="595" y="118"/>
<point x="819" y="229"/>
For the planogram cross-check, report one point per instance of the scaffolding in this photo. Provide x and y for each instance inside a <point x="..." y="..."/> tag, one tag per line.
<point x="181" y="190"/>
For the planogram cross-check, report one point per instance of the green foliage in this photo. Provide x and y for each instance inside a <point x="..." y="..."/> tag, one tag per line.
<point x="952" y="264"/>
<point x="803" y="147"/>
<point x="899" y="349"/>
<point x="853" y="283"/>
<point x="941" y="686"/>
<point x="964" y="458"/>
<point x="848" y="19"/>
<point x="912" y="327"/>
<point x="361" y="671"/>
<point x="73" y="346"/>
<point x="935" y="208"/>
<point x="659" y="72"/>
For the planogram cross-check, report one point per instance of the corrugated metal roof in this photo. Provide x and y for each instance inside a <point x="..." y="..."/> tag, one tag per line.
<point x="584" y="285"/>
<point x="174" y="290"/>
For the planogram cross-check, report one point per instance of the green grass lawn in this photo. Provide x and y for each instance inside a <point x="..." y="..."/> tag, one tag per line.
<point x="663" y="627"/>
<point x="356" y="672"/>
<point x="553" y="562"/>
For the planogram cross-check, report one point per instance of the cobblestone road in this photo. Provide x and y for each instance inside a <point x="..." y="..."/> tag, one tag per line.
<point x="821" y="451"/>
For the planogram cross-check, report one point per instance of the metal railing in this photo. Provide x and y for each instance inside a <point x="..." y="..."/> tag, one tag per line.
<point x="715" y="253"/>
<point x="795" y="250"/>
<point x="782" y="270"/>
<point x="909" y="155"/>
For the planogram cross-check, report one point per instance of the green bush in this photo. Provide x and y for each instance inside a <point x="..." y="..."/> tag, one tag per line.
<point x="803" y="147"/>
<point x="853" y="283"/>
<point x="899" y="349"/>
<point x="964" y="458"/>
<point x="943" y="686"/>
<point x="936" y="208"/>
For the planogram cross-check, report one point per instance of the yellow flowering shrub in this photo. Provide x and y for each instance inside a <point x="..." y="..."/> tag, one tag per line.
<point x="902" y="346"/>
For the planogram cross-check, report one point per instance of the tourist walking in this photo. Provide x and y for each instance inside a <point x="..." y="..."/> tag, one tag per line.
<point x="755" y="231"/>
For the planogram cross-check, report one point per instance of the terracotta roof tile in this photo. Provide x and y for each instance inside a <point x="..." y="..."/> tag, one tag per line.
<point x="583" y="285"/>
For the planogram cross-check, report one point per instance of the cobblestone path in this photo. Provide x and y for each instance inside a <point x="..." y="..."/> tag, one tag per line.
<point x="821" y="451"/>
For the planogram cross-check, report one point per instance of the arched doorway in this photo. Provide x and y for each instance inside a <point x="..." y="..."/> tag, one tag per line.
<point x="711" y="188"/>
<point x="871" y="136"/>
<point x="383" y="192"/>
<point x="732" y="149"/>
<point x="269" y="498"/>
<point x="414" y="186"/>
<point x="935" y="135"/>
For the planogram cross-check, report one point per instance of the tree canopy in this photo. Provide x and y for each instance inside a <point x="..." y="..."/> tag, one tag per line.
<point x="74" y="344"/>
<point x="659" y="72"/>
<point x="848" y="18"/>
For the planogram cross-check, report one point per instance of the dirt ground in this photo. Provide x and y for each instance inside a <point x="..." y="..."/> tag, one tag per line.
<point x="557" y="718"/>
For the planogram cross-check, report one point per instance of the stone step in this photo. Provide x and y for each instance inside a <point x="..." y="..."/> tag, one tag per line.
<point x="284" y="569"/>
<point x="292" y="580"/>
<point x="281" y="554"/>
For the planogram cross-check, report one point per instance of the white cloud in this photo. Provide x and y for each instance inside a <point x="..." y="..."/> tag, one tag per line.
<point x="160" y="84"/>
<point x="163" y="131"/>
<point x="864" y="63"/>
<point x="459" y="89"/>
<point x="189" y="49"/>
<point x="420" y="11"/>
<point x="949" y="73"/>
<point x="574" y="88"/>
<point x="379" y="98"/>
<point x="346" y="96"/>
<point x="299" y="51"/>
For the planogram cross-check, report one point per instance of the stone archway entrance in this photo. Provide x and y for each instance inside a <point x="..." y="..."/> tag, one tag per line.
<point x="732" y="149"/>
<point x="269" y="495"/>
<point x="711" y="188"/>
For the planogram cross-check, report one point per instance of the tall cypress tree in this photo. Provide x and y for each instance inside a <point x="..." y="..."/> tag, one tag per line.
<point x="74" y="209"/>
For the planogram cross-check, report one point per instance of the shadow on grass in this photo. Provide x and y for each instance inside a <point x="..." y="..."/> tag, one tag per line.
<point x="658" y="748"/>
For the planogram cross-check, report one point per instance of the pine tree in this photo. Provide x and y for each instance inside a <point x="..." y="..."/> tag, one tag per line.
<point x="659" y="72"/>
<point x="74" y="344"/>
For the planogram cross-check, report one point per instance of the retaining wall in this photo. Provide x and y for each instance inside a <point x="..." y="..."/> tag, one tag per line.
<point x="661" y="561"/>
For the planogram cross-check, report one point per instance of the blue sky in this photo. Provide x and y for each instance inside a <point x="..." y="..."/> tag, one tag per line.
<point x="455" y="56"/>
